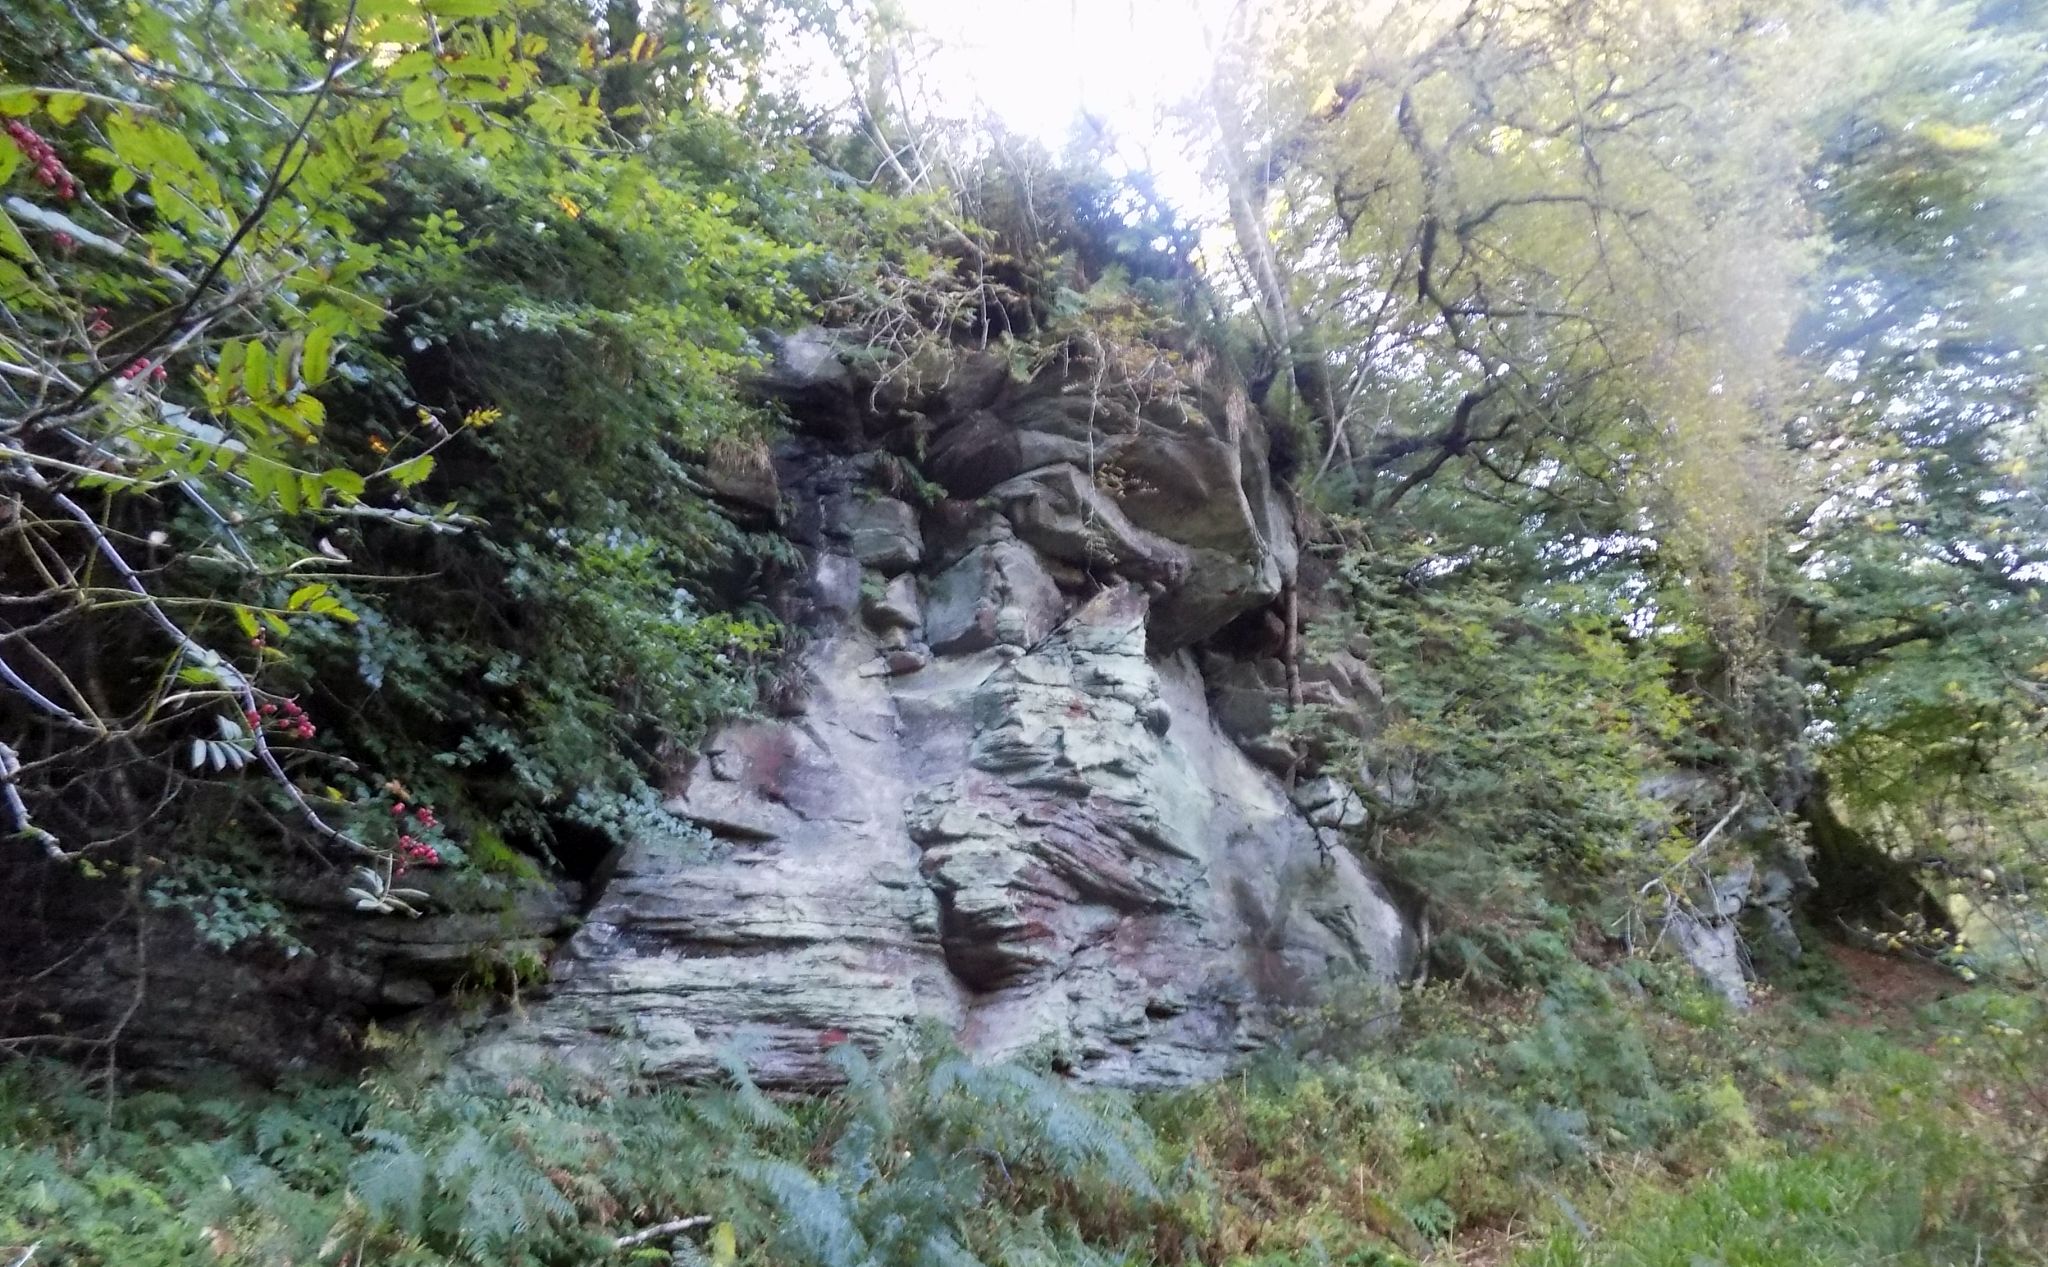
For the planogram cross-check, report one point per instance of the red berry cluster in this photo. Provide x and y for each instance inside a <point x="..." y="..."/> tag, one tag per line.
<point x="134" y="370"/>
<point x="100" y="327"/>
<point x="50" y="171"/>
<point x="288" y="718"/>
<point x="412" y="846"/>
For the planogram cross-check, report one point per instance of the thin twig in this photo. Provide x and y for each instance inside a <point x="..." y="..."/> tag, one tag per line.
<point x="10" y="795"/>
<point x="200" y="654"/>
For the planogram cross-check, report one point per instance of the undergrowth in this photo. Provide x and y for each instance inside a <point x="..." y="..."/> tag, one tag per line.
<point x="1622" y="1117"/>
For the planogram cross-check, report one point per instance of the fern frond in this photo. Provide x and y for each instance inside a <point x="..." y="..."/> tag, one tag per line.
<point x="816" y="1219"/>
<point x="391" y="1179"/>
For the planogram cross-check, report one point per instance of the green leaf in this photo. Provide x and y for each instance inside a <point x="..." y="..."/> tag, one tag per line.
<point x="410" y="474"/>
<point x="11" y="241"/>
<point x="256" y="372"/>
<point x="344" y="482"/>
<point x="63" y="106"/>
<point x="303" y="595"/>
<point x="318" y="355"/>
<point x="283" y="484"/>
<point x="423" y="101"/>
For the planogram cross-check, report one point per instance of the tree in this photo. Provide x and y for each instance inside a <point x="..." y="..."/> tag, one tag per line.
<point x="1721" y="329"/>
<point x="305" y="307"/>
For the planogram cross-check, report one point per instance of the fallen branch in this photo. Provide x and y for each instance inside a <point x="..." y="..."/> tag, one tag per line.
<point x="1698" y="851"/>
<point x="660" y="1230"/>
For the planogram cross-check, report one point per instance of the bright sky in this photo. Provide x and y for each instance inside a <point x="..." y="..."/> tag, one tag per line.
<point x="1039" y="66"/>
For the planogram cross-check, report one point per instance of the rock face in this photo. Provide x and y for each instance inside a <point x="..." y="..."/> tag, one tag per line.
<point x="85" y="965"/>
<point x="1745" y="903"/>
<point x="1004" y="804"/>
<point x="1021" y="781"/>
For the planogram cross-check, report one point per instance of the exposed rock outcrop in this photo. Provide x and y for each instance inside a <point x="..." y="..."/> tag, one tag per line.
<point x="995" y="796"/>
<point x="1726" y="910"/>
<point x="1005" y="805"/>
<point x="96" y="970"/>
<point x="1048" y="848"/>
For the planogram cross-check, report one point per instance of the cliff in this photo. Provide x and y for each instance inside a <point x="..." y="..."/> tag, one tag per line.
<point x="996" y="795"/>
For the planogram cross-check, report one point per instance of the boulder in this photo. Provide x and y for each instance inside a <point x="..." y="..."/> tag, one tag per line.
<point x="1175" y="491"/>
<point x="1063" y="515"/>
<point x="834" y="586"/>
<point x="807" y="372"/>
<point x="261" y="1008"/>
<point x="881" y="532"/>
<point x="1250" y="697"/>
<point x="1331" y="804"/>
<point x="975" y="454"/>
<point x="742" y="477"/>
<point x="1755" y="891"/>
<point x="896" y="607"/>
<point x="998" y="593"/>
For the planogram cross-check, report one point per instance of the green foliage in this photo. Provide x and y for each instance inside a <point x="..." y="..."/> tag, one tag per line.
<point x="1780" y="432"/>
<point x="1594" y="1110"/>
<point x="899" y="1167"/>
<point x="434" y="471"/>
<point x="1624" y="1114"/>
<point x="1840" y="1208"/>
<point x="224" y="910"/>
<point x="1922" y="557"/>
<point x="1526" y="718"/>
